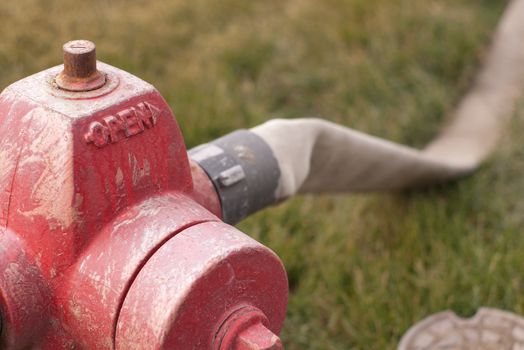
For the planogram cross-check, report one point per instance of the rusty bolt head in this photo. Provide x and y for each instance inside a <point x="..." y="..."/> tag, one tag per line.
<point x="79" y="58"/>
<point x="80" y="72"/>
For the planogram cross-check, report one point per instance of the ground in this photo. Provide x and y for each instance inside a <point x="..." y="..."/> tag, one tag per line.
<point x="362" y="268"/>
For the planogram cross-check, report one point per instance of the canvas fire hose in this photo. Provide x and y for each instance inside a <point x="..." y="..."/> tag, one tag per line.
<point x="113" y="236"/>
<point x="315" y="155"/>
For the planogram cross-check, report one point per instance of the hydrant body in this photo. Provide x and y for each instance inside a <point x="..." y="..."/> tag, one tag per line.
<point x="110" y="238"/>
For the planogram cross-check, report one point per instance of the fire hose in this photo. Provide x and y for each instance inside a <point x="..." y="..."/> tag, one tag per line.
<point x="113" y="236"/>
<point x="315" y="155"/>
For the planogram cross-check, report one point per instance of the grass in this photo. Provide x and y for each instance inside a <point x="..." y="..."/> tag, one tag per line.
<point x="363" y="268"/>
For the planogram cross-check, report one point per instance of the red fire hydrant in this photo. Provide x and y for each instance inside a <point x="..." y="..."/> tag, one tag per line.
<point x="110" y="238"/>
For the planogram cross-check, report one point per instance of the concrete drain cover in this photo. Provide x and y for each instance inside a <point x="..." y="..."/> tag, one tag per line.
<point x="489" y="329"/>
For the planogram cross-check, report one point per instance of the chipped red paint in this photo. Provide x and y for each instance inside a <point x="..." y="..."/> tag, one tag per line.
<point x="109" y="238"/>
<point x="218" y="269"/>
<point x="204" y="191"/>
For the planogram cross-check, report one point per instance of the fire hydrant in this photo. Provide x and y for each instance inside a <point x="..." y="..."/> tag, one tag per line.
<point x="110" y="237"/>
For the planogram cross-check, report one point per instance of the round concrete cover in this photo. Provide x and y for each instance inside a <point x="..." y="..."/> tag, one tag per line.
<point x="489" y="329"/>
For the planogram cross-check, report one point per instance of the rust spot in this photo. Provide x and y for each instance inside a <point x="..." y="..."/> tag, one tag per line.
<point x="80" y="72"/>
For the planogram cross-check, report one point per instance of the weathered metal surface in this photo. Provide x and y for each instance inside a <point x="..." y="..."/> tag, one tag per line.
<point x="97" y="198"/>
<point x="80" y="72"/>
<point x="214" y="270"/>
<point x="106" y="270"/>
<point x="246" y="329"/>
<point x="24" y="294"/>
<point x="258" y="337"/>
<point x="204" y="191"/>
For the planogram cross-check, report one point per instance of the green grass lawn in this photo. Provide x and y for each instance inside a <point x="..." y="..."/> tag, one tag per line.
<point x="362" y="268"/>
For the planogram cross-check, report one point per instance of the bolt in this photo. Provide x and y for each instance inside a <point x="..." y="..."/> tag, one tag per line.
<point x="244" y="329"/>
<point x="258" y="337"/>
<point x="80" y="72"/>
<point x="79" y="58"/>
